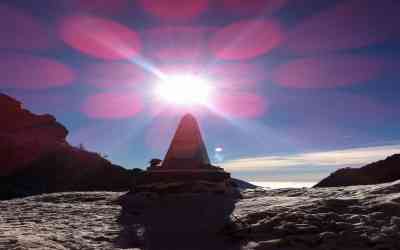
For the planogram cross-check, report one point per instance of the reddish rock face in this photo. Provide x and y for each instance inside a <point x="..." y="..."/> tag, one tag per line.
<point x="35" y="158"/>
<point x="25" y="136"/>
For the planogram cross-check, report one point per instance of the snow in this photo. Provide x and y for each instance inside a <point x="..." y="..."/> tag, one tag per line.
<point x="283" y="184"/>
<point x="356" y="217"/>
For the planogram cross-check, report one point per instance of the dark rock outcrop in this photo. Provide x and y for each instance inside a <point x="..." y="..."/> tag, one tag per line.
<point x="24" y="136"/>
<point x="387" y="170"/>
<point x="36" y="158"/>
<point x="67" y="169"/>
<point x="243" y="184"/>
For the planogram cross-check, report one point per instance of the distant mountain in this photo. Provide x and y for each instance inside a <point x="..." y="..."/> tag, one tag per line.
<point x="36" y="158"/>
<point x="387" y="170"/>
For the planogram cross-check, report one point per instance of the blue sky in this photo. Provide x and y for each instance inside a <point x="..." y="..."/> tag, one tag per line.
<point x="296" y="83"/>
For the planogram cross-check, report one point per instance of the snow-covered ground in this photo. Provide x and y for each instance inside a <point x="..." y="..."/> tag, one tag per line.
<point x="283" y="184"/>
<point x="363" y="217"/>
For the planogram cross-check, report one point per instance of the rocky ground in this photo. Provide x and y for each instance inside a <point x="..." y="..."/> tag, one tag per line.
<point x="357" y="217"/>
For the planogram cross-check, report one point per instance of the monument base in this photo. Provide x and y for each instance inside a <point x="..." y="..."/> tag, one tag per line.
<point x="181" y="181"/>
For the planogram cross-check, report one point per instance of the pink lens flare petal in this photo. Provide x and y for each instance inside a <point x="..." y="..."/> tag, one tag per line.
<point x="246" y="39"/>
<point x="112" y="105"/>
<point x="328" y="71"/>
<point x="99" y="37"/>
<point x="112" y="74"/>
<point x="241" y="105"/>
<point x="24" y="71"/>
<point x="236" y="76"/>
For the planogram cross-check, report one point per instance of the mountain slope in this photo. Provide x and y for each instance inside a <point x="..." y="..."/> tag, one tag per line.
<point x="387" y="170"/>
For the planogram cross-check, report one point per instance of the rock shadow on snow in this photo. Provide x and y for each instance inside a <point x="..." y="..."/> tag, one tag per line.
<point x="176" y="221"/>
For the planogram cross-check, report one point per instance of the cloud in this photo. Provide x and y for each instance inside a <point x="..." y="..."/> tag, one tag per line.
<point x="353" y="157"/>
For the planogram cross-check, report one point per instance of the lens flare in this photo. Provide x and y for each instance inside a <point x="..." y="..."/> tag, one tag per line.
<point x="184" y="90"/>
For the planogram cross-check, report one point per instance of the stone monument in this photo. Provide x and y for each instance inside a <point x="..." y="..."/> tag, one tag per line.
<point x="186" y="166"/>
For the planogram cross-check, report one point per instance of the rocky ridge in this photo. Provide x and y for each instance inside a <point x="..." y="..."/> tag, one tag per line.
<point x="386" y="170"/>
<point x="25" y="136"/>
<point x="36" y="158"/>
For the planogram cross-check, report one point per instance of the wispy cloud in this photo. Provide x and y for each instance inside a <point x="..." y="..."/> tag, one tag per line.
<point x="346" y="157"/>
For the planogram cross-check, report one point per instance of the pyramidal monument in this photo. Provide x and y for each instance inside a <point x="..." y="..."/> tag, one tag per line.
<point x="186" y="166"/>
<point x="187" y="150"/>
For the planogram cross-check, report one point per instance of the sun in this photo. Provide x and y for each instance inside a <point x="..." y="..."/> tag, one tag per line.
<point x="184" y="90"/>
